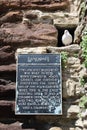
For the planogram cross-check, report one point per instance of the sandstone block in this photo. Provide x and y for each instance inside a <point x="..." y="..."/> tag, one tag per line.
<point x="6" y="108"/>
<point x="37" y="16"/>
<point x="8" y="72"/>
<point x="85" y="123"/>
<point x="71" y="88"/>
<point x="75" y="62"/>
<point x="73" y="111"/>
<point x="12" y="16"/>
<point x="79" y="123"/>
<point x="34" y="4"/>
<point x="71" y="49"/>
<point x="71" y="128"/>
<point x="22" y="35"/>
<point x="7" y="90"/>
<point x="7" y="68"/>
<point x="38" y="50"/>
<point x="14" y="126"/>
<point x="68" y="88"/>
<point x="78" y="128"/>
<point x="55" y="128"/>
<point x="6" y="55"/>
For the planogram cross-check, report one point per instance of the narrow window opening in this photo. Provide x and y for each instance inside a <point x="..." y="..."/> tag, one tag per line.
<point x="61" y="32"/>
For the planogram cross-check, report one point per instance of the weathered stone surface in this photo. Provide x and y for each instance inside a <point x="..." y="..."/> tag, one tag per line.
<point x="55" y="128"/>
<point x="12" y="16"/>
<point x="78" y="128"/>
<point x="84" y="114"/>
<point x="9" y="127"/>
<point x="85" y="123"/>
<point x="14" y="126"/>
<point x="34" y="4"/>
<point x="56" y="122"/>
<point x="8" y="72"/>
<point x="73" y="61"/>
<point x="37" y="16"/>
<point x="79" y="123"/>
<point x="21" y="35"/>
<point x="66" y="20"/>
<point x="84" y="31"/>
<point x="68" y="88"/>
<point x="69" y="112"/>
<point x="7" y="89"/>
<point x="50" y="5"/>
<point x="71" y="48"/>
<point x="38" y="50"/>
<point x="61" y="19"/>
<point x="46" y="19"/>
<point x="71" y="78"/>
<point x="8" y="68"/>
<point x="77" y="33"/>
<point x="6" y="4"/>
<point x="83" y="72"/>
<point x="71" y="128"/>
<point x="6" y="108"/>
<point x="73" y="111"/>
<point x="6" y="55"/>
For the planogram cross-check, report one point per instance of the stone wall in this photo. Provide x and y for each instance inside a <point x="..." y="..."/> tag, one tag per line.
<point x="70" y="83"/>
<point x="32" y="31"/>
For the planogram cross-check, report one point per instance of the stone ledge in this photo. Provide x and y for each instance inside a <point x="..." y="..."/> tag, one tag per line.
<point x="49" y="49"/>
<point x="70" y="48"/>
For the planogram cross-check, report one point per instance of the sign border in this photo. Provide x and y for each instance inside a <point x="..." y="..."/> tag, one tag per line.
<point x="52" y="114"/>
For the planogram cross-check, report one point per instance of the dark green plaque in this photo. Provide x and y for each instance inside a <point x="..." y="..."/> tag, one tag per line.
<point x="38" y="84"/>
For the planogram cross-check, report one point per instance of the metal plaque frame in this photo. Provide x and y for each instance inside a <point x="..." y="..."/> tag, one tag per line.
<point x="38" y="84"/>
